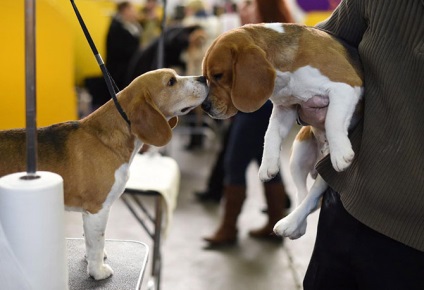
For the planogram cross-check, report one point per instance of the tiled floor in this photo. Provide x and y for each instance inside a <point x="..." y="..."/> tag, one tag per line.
<point x="251" y="265"/>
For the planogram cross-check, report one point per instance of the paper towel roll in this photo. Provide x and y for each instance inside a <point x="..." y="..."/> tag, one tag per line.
<point x="32" y="216"/>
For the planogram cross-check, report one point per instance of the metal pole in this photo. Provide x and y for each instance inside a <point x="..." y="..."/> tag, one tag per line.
<point x="30" y="91"/>
<point x="161" y="46"/>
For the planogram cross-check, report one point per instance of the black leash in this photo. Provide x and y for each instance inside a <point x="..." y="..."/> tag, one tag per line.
<point x="111" y="86"/>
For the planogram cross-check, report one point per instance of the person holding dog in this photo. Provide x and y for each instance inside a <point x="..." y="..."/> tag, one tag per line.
<point x="371" y="225"/>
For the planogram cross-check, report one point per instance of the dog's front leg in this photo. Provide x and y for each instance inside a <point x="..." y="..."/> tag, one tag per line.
<point x="343" y="100"/>
<point x="280" y="123"/>
<point x="94" y="232"/>
<point x="294" y="225"/>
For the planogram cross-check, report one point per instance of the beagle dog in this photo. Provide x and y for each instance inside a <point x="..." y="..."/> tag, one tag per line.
<point x="288" y="64"/>
<point x="93" y="155"/>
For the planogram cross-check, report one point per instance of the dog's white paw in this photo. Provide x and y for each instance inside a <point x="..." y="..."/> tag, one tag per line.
<point x="341" y="158"/>
<point x="99" y="272"/>
<point x="268" y="170"/>
<point x="289" y="227"/>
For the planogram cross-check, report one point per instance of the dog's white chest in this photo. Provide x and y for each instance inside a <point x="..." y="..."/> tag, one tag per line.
<point x="299" y="86"/>
<point x="122" y="174"/>
<point x="121" y="178"/>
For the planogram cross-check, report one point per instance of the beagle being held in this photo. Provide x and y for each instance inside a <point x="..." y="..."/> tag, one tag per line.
<point x="289" y="64"/>
<point x="93" y="155"/>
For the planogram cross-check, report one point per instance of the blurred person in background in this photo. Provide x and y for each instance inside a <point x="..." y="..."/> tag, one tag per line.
<point x="150" y="19"/>
<point x="123" y="40"/>
<point x="196" y="13"/>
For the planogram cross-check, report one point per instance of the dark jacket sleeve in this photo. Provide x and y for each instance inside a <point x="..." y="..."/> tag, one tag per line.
<point x="347" y="22"/>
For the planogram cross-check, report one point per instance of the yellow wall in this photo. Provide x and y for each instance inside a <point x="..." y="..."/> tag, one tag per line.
<point x="64" y="58"/>
<point x="315" y="17"/>
<point x="56" y="99"/>
<point x="97" y="15"/>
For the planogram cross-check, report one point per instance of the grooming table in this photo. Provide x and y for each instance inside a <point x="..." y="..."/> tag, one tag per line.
<point x="157" y="176"/>
<point x="127" y="258"/>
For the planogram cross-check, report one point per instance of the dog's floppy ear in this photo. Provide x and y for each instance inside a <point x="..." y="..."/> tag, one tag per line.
<point x="149" y="124"/>
<point x="253" y="79"/>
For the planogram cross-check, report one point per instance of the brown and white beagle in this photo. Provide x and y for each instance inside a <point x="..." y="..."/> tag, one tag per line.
<point x="288" y="64"/>
<point x="93" y="155"/>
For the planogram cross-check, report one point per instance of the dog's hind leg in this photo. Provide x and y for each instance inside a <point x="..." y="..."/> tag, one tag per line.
<point x="302" y="162"/>
<point x="294" y="225"/>
<point x="94" y="232"/>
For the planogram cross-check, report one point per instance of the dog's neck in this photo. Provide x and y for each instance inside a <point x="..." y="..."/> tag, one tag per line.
<point x="107" y="125"/>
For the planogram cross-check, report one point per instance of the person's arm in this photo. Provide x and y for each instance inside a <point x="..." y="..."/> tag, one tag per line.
<point x="349" y="23"/>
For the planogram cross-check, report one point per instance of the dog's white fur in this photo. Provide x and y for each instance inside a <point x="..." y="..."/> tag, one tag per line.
<point x="294" y="88"/>
<point x="95" y="224"/>
<point x="300" y="86"/>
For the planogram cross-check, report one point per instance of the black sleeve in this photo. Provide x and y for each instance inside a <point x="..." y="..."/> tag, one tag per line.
<point x="347" y="22"/>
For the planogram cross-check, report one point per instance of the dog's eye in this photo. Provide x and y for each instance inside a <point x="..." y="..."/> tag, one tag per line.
<point x="217" y="77"/>
<point x="172" y="81"/>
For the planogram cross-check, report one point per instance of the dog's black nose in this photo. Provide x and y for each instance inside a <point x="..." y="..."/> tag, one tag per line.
<point x="206" y="105"/>
<point x="201" y="79"/>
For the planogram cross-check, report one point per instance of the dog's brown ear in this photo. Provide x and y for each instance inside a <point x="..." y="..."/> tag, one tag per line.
<point x="149" y="124"/>
<point x="253" y="79"/>
<point x="173" y="122"/>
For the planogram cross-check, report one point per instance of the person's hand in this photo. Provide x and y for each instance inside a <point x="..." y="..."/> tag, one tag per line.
<point x="313" y="111"/>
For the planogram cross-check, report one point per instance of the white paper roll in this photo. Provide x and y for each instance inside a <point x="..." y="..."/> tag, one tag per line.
<point x="32" y="216"/>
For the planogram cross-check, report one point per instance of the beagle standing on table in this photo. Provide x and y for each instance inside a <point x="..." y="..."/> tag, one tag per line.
<point x="289" y="64"/>
<point x="93" y="155"/>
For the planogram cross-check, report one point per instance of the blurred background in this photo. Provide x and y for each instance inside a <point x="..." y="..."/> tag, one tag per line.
<point x="65" y="62"/>
<point x="70" y="86"/>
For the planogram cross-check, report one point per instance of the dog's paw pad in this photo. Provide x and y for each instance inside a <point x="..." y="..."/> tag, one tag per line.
<point x="100" y="273"/>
